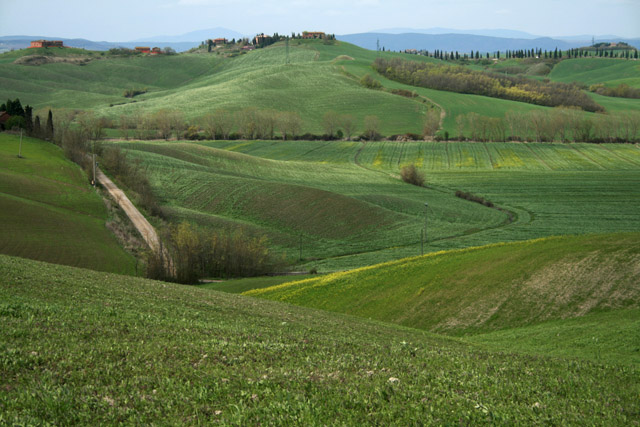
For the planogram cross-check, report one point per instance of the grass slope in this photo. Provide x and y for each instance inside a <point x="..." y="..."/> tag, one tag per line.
<point x="483" y="289"/>
<point x="319" y="78"/>
<point x="49" y="212"/>
<point x="551" y="189"/>
<point x="336" y="208"/>
<point x="81" y="347"/>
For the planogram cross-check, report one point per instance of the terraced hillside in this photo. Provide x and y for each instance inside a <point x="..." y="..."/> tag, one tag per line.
<point x="49" y="212"/>
<point x="80" y="347"/>
<point x="496" y="287"/>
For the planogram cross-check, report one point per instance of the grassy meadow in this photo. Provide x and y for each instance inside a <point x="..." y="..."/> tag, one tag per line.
<point x="522" y="314"/>
<point x="49" y="212"/>
<point x="81" y="347"/>
<point x="319" y="78"/>
<point x="346" y="203"/>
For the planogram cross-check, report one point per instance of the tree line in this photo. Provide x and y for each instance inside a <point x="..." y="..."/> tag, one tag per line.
<point x="559" y="124"/>
<point x="461" y="79"/>
<point x="22" y="118"/>
<point x="248" y="123"/>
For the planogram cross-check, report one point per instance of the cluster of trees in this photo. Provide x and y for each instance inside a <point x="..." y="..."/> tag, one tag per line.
<point x="22" y="118"/>
<point x="197" y="254"/>
<point x="560" y="124"/>
<point x="621" y="91"/>
<point x="464" y="80"/>
<point x="248" y="123"/>
<point x="625" y="52"/>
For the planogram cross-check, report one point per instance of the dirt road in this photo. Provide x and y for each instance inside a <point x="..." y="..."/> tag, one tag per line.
<point x="139" y="221"/>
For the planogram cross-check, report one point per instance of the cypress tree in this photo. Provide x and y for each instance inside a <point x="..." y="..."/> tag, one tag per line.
<point x="28" y="118"/>
<point x="36" y="127"/>
<point x="49" y="132"/>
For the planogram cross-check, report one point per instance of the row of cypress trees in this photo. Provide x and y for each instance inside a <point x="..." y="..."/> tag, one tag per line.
<point x="22" y="118"/>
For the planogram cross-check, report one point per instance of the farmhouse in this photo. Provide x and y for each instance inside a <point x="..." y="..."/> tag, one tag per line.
<point x="156" y="51"/>
<point x="4" y="116"/>
<point x="220" y="41"/>
<point x="259" y="38"/>
<point x="313" y="35"/>
<point x="143" y="49"/>
<point x="46" y="43"/>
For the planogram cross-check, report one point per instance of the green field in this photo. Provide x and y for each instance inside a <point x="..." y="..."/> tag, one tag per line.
<point x="80" y="347"/>
<point x="483" y="289"/>
<point x="49" y="212"/>
<point x="344" y="198"/>
<point x="319" y="78"/>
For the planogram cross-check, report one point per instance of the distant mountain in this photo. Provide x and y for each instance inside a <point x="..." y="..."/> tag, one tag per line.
<point x="8" y="43"/>
<point x="463" y="42"/>
<point x="193" y="36"/>
<point x="513" y="34"/>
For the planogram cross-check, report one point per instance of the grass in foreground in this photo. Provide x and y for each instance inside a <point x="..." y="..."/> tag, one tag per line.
<point x="78" y="346"/>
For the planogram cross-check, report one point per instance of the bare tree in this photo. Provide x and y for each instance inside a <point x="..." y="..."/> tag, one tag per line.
<point x="348" y="124"/>
<point x="371" y="127"/>
<point x="289" y="124"/>
<point x="224" y="122"/>
<point x="461" y="124"/>
<point x="62" y="119"/>
<point x="246" y="120"/>
<point x="330" y="123"/>
<point x="209" y="124"/>
<point x="431" y="124"/>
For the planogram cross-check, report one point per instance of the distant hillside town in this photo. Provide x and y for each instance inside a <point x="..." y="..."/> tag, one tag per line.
<point x="46" y="43"/>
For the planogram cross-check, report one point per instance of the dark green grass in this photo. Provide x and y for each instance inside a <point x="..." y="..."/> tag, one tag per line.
<point x="80" y="347"/>
<point x="49" y="212"/>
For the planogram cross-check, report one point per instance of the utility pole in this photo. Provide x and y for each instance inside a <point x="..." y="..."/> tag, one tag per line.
<point x="20" y="148"/>
<point x="378" y="47"/>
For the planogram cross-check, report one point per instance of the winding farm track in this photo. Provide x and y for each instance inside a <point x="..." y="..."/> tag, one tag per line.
<point x="143" y="226"/>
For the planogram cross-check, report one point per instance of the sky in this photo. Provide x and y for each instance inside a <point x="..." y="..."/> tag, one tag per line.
<point x="124" y="20"/>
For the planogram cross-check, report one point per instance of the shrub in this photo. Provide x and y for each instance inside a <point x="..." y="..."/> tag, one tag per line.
<point x="369" y="82"/>
<point x="473" y="198"/>
<point x="411" y="175"/>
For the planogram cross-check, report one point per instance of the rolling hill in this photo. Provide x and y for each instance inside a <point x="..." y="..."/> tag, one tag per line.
<point x="344" y="200"/>
<point x="81" y="347"/>
<point x="49" y="212"/>
<point x="484" y="289"/>
<point x="320" y="78"/>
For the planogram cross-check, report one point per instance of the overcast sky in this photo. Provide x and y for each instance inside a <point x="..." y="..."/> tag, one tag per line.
<point x="123" y="20"/>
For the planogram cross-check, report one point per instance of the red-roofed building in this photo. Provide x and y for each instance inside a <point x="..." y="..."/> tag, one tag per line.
<point x="143" y="49"/>
<point x="46" y="43"/>
<point x="313" y="35"/>
<point x="220" y="41"/>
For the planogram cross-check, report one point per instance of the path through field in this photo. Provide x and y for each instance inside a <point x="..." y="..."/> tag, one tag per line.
<point x="139" y="221"/>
